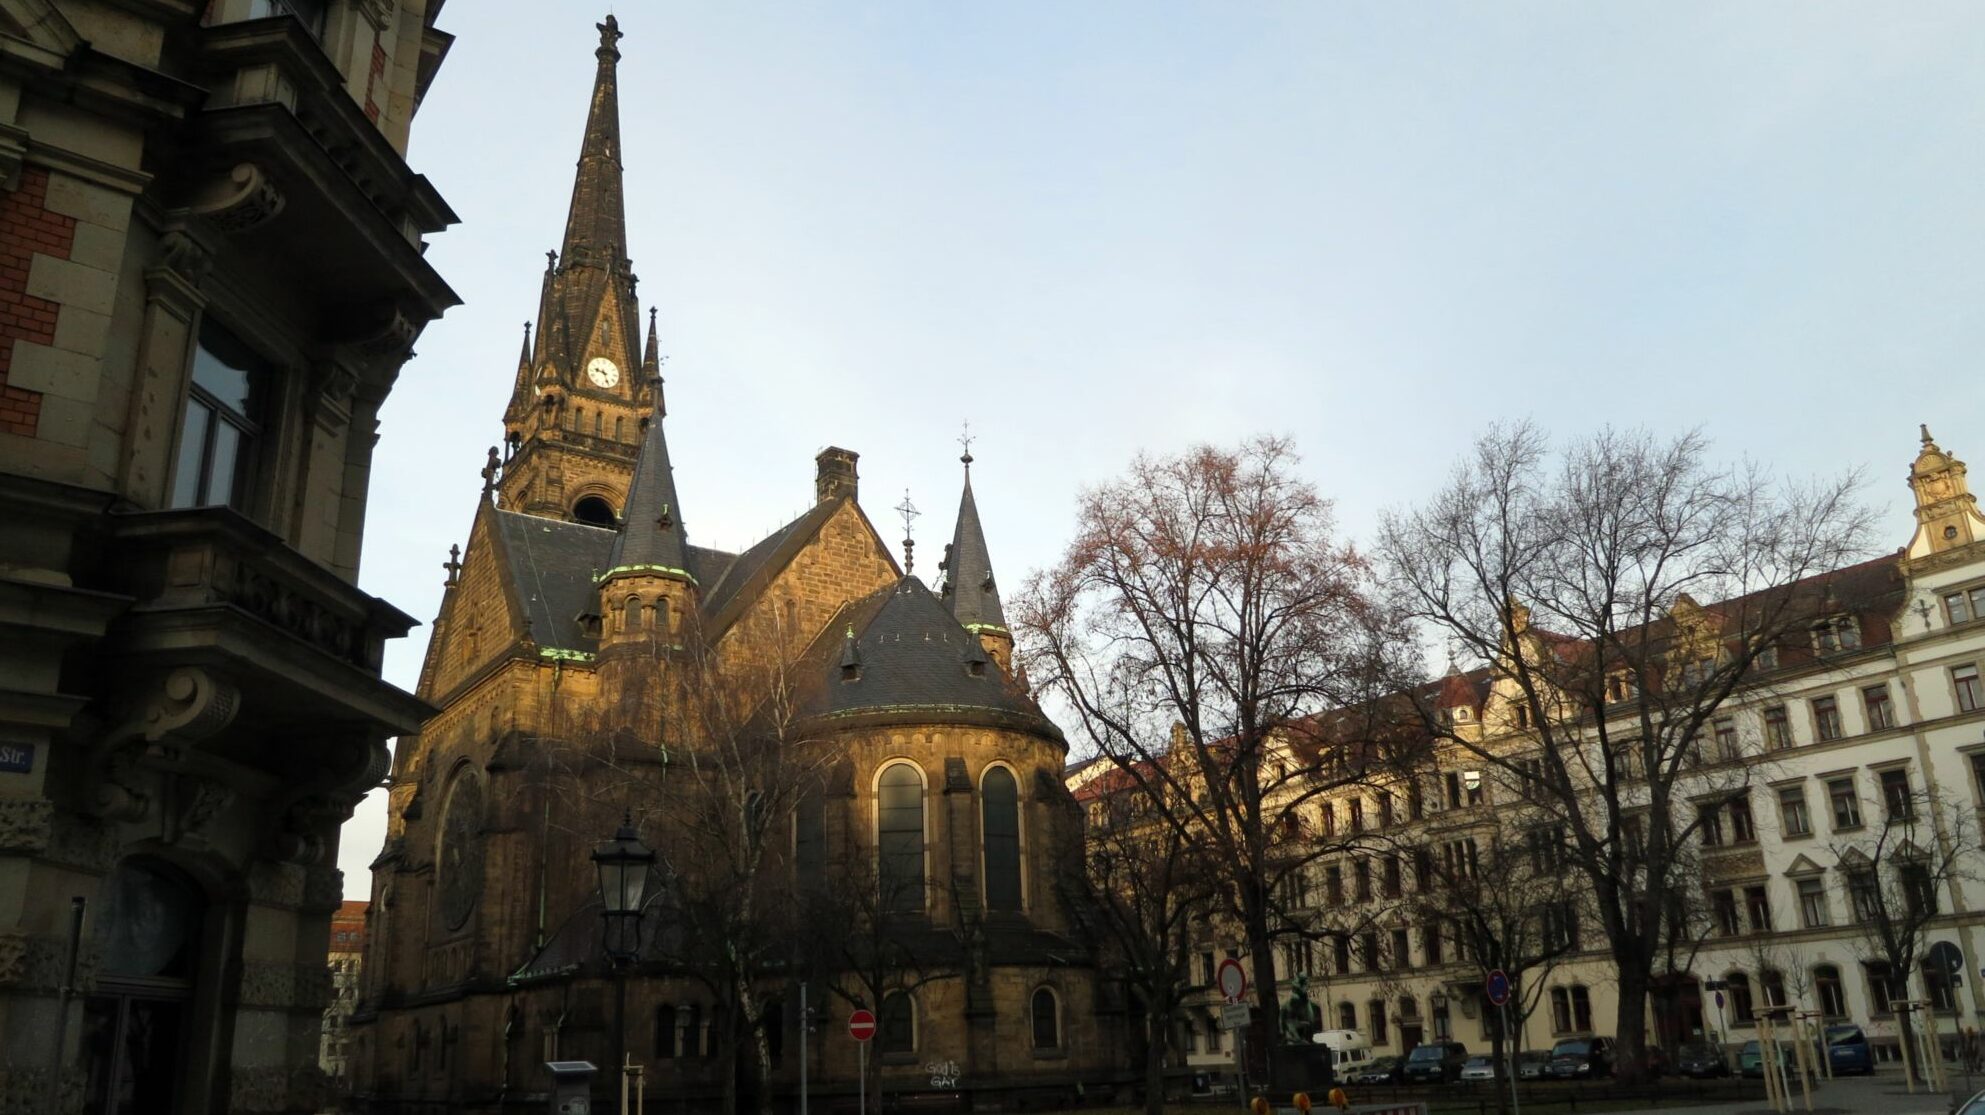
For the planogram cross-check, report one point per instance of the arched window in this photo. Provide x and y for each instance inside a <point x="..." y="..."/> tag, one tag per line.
<point x="633" y="613"/>
<point x="999" y="804"/>
<point x="1773" y="982"/>
<point x="665" y="1032"/>
<point x="663" y="619"/>
<point x="1742" y="1010"/>
<point x="1047" y="1020"/>
<point x="618" y="422"/>
<point x="899" y="838"/>
<point x="898" y="1023"/>
<point x="1827" y="989"/>
<point x="148" y="941"/>
<point x="1943" y="963"/>
<point x="1347" y="1016"/>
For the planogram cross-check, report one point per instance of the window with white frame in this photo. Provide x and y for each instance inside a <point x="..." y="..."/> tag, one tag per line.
<point x="1793" y="819"/>
<point x="1881" y="710"/>
<point x="1970" y="692"/>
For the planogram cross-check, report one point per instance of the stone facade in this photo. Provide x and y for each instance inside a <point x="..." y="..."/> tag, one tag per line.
<point x="590" y="664"/>
<point x="210" y="275"/>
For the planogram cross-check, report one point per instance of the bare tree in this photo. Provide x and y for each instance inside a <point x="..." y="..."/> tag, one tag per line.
<point x="1210" y="590"/>
<point x="1921" y="848"/>
<point x="1509" y="905"/>
<point x="1576" y="577"/>
<point x="1150" y="886"/>
<point x="739" y="768"/>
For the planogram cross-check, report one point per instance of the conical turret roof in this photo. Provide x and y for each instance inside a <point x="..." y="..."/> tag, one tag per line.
<point x="651" y="536"/>
<point x="969" y="589"/>
<point x="596" y="225"/>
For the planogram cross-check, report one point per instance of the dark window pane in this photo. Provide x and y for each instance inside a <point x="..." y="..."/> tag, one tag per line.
<point x="1047" y="1028"/>
<point x="192" y="453"/>
<point x="221" y="468"/>
<point x="900" y="838"/>
<point x="1001" y="805"/>
<point x="899" y="1033"/>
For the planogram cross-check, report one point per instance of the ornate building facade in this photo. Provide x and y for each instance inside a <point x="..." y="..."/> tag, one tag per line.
<point x="900" y="835"/>
<point x="210" y="275"/>
<point x="1837" y="794"/>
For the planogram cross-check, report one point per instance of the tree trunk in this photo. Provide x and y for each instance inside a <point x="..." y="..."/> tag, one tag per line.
<point x="1156" y="1023"/>
<point x="1630" y="1027"/>
<point x="1268" y="1012"/>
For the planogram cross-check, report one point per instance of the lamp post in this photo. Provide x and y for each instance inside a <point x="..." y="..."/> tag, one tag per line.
<point x="623" y="863"/>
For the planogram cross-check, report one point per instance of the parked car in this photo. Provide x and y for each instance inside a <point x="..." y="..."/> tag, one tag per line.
<point x="1973" y="1106"/>
<point x="1847" y="1048"/>
<point x="1702" y="1060"/>
<point x="1580" y="1059"/>
<point x="1479" y="1067"/>
<point x="1435" y="1062"/>
<point x="1383" y="1070"/>
<point x="1750" y="1059"/>
<point x="1530" y="1064"/>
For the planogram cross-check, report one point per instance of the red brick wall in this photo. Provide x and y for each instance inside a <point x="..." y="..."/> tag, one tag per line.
<point x="25" y="229"/>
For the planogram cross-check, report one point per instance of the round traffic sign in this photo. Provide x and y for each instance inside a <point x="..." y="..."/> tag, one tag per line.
<point x="861" y="1025"/>
<point x="1719" y="1000"/>
<point x="1233" y="979"/>
<point x="1497" y="987"/>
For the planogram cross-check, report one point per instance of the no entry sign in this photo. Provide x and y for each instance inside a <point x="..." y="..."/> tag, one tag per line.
<point x="861" y="1025"/>
<point x="1497" y="987"/>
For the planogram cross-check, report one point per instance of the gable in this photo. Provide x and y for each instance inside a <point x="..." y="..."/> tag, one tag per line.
<point x="790" y="584"/>
<point x="477" y="619"/>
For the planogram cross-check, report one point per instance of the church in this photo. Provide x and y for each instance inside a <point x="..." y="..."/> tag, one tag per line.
<point x="851" y="795"/>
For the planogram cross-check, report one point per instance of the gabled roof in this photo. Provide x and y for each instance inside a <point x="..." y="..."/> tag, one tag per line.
<point x="551" y="565"/>
<point x="745" y="575"/>
<point x="913" y="658"/>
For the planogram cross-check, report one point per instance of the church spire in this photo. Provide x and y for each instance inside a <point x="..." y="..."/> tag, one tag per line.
<point x="1947" y="514"/>
<point x="650" y="541"/>
<point x="969" y="589"/>
<point x="596" y="226"/>
<point x="651" y="360"/>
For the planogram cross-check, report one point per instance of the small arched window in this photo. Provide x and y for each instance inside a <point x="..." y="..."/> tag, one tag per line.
<point x="618" y="423"/>
<point x="1347" y="1016"/>
<point x="999" y="802"/>
<point x="899" y="824"/>
<point x="665" y="1031"/>
<point x="633" y="614"/>
<point x="663" y="618"/>
<point x="1827" y="989"/>
<point x="898" y="1023"/>
<point x="1743" y="1009"/>
<point x="1047" y="1019"/>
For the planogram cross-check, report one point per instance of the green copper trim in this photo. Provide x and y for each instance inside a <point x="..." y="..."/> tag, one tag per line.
<point x="665" y="570"/>
<point x="982" y="628"/>
<point x="560" y="654"/>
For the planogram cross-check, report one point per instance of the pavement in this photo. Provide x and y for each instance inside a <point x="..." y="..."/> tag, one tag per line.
<point x="1882" y="1094"/>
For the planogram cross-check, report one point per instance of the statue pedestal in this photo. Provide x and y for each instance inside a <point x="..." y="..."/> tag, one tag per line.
<point x="1301" y="1068"/>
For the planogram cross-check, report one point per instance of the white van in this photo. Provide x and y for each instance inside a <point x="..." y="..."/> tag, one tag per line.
<point x="1349" y="1051"/>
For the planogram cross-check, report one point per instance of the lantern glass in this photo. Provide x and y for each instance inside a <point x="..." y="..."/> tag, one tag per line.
<point x="623" y="864"/>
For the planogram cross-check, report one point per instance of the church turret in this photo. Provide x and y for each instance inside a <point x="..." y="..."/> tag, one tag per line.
<point x="574" y="423"/>
<point x="1946" y="512"/>
<point x="647" y="593"/>
<point x="969" y="589"/>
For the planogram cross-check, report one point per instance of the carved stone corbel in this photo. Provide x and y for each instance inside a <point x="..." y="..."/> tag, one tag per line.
<point x="189" y="704"/>
<point x="244" y="199"/>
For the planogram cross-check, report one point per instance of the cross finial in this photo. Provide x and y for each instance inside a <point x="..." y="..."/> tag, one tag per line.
<point x="550" y="262"/>
<point x="489" y="471"/>
<point x="454" y="567"/>
<point x="965" y="439"/>
<point x="909" y="513"/>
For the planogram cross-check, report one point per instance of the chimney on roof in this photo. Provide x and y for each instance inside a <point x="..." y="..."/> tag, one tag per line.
<point x="834" y="474"/>
<point x="1178" y="740"/>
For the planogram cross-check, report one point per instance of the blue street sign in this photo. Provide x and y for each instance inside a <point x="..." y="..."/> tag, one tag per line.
<point x="17" y="758"/>
<point x="1497" y="987"/>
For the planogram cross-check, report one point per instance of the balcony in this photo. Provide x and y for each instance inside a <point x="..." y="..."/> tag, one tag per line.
<point x="298" y="647"/>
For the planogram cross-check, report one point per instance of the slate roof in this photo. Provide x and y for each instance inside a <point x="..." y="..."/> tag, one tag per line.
<point x="913" y="658"/>
<point x="651" y="529"/>
<point x="968" y="577"/>
<point x="551" y="565"/>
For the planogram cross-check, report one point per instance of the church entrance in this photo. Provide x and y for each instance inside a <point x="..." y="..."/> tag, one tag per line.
<point x="134" y="1025"/>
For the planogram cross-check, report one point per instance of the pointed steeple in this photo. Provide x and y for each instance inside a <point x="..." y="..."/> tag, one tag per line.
<point x="1947" y="515"/>
<point x="524" y="354"/>
<point x="596" y="226"/>
<point x="651" y="359"/>
<point x="651" y="538"/>
<point x="969" y="589"/>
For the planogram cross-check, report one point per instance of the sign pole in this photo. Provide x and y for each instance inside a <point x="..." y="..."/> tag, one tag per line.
<point x="805" y="1025"/>
<point x="1515" y="1102"/>
<point x="861" y="1102"/>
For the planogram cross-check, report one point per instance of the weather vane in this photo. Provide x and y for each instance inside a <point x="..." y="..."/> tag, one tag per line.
<point x="909" y="512"/>
<point x="965" y="439"/>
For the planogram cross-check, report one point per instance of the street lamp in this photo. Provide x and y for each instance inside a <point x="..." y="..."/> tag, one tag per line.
<point x="623" y="863"/>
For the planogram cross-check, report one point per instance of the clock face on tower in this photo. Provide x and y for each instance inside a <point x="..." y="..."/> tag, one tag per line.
<point x="602" y="371"/>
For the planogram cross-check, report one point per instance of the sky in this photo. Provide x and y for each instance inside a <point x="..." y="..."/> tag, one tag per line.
<point x="1100" y="228"/>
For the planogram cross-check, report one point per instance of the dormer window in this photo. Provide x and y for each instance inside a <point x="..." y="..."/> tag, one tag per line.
<point x="1836" y="633"/>
<point x="1461" y="715"/>
<point x="1621" y="687"/>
